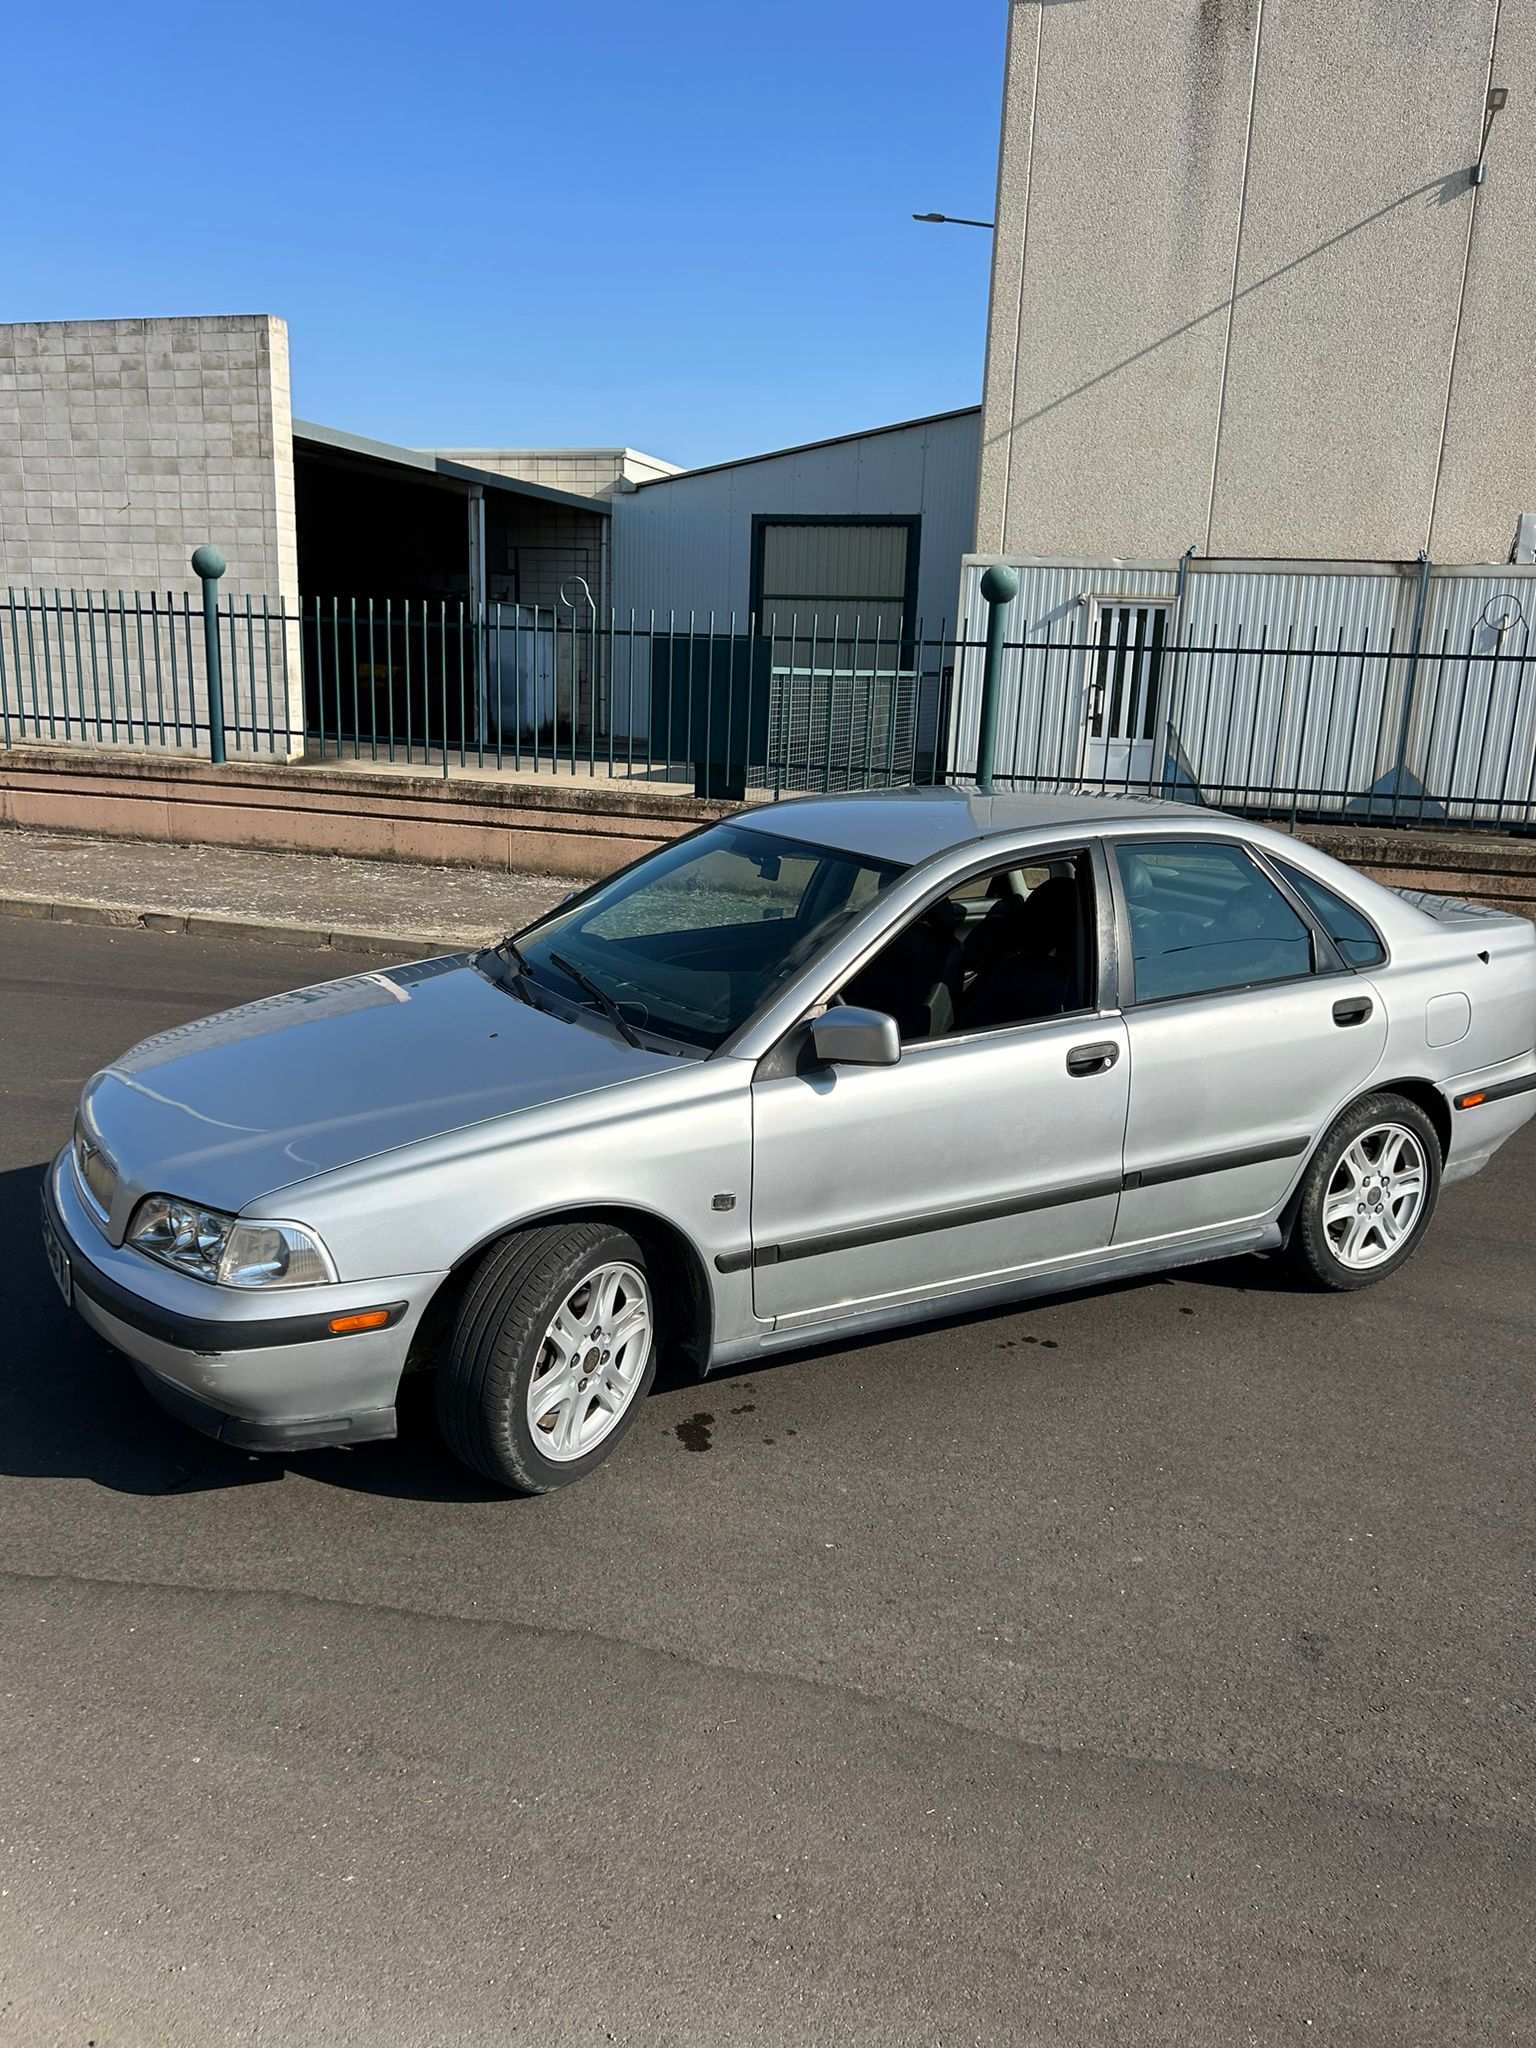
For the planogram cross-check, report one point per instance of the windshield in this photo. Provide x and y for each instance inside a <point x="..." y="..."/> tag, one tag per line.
<point x="690" y="942"/>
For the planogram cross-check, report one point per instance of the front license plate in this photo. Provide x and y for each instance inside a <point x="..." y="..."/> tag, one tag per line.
<point x="58" y="1258"/>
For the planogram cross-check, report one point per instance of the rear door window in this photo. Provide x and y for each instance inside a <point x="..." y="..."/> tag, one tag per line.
<point x="1203" y="918"/>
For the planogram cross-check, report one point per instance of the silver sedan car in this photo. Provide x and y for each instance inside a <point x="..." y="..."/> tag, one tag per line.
<point x="838" y="1064"/>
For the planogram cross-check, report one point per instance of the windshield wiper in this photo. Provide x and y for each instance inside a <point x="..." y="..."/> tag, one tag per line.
<point x="601" y="997"/>
<point x="510" y="953"/>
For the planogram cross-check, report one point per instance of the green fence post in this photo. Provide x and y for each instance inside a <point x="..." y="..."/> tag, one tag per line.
<point x="999" y="586"/>
<point x="210" y="565"/>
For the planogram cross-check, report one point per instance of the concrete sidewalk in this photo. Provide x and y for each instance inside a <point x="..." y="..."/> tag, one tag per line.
<point x="393" y="907"/>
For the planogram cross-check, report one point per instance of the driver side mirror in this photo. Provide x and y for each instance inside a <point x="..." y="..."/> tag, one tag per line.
<point x="850" y="1037"/>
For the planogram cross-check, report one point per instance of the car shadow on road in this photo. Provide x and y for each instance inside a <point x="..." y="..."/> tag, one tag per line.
<point x="1248" y="1273"/>
<point x="1253" y="1273"/>
<point x="71" y="1408"/>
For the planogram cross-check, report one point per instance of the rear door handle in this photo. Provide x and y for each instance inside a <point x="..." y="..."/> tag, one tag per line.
<point x="1097" y="1058"/>
<point x="1352" y="1009"/>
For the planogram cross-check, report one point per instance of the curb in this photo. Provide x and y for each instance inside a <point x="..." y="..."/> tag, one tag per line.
<point x="212" y="925"/>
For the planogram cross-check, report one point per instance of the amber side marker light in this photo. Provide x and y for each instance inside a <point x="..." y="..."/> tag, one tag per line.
<point x="1471" y="1101"/>
<point x="366" y="1319"/>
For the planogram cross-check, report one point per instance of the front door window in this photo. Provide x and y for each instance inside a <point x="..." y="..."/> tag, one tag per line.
<point x="1011" y="947"/>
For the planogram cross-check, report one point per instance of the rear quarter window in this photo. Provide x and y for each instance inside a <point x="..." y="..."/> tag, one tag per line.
<point x="1350" y="929"/>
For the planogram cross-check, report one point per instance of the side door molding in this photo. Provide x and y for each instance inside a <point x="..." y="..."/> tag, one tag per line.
<point x="956" y="1217"/>
<point x="1214" y="1162"/>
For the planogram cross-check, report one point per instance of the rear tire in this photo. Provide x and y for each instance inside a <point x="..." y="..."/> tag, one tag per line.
<point x="1368" y="1195"/>
<point x="550" y="1356"/>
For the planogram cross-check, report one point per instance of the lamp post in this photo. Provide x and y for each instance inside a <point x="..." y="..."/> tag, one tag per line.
<point x="954" y="220"/>
<point x="209" y="565"/>
<point x="1496" y="102"/>
<point x="999" y="586"/>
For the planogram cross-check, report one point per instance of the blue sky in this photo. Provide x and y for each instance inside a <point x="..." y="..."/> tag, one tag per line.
<point x="664" y="222"/>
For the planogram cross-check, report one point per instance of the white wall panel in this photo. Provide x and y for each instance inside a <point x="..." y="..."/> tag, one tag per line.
<point x="685" y="544"/>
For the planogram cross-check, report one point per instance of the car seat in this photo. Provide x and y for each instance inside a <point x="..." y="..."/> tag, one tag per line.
<point x="916" y="977"/>
<point x="1032" y="966"/>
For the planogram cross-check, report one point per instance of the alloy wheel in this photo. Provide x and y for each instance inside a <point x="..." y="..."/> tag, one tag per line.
<point x="591" y="1362"/>
<point x="1375" y="1196"/>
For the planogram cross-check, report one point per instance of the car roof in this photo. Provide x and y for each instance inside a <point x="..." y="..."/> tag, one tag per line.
<point x="910" y="825"/>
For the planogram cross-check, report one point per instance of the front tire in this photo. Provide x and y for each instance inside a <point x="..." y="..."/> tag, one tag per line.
<point x="1368" y="1195"/>
<point x="550" y="1356"/>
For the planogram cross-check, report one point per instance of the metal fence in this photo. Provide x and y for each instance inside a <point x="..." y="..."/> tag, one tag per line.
<point x="724" y="703"/>
<point x="1343" y="728"/>
<point x="717" y="703"/>
<point x="1361" y="728"/>
<point x="129" y="669"/>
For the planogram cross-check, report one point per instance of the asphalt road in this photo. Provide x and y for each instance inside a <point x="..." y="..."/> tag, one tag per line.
<point x="1153" y="1666"/>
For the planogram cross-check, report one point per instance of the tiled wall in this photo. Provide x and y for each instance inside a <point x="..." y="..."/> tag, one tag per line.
<point x="546" y="550"/>
<point x="126" y="443"/>
<point x="587" y="472"/>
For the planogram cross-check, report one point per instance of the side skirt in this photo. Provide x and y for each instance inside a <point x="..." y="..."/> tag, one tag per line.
<point x="1094" y="1272"/>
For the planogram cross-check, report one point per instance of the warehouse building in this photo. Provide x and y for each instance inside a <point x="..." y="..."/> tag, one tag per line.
<point x="866" y="526"/>
<point x="474" y="596"/>
<point x="125" y="444"/>
<point x="803" y="603"/>
<point x="1254" y="426"/>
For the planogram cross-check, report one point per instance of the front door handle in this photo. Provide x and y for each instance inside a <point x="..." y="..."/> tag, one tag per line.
<point x="1097" y="1058"/>
<point x="1352" y="1009"/>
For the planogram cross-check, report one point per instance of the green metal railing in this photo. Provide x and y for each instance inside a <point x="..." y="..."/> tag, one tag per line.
<point x="723" y="703"/>
<point x="729" y="706"/>
<point x="719" y="701"/>
<point x="130" y="669"/>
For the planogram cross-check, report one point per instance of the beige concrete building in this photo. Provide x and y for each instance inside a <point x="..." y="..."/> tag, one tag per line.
<point x="1247" y="296"/>
<point x="124" y="444"/>
<point x="590" y="472"/>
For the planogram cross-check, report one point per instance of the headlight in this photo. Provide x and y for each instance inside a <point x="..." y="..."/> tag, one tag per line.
<point x="181" y="1235"/>
<point x="274" y="1255"/>
<point x="212" y="1246"/>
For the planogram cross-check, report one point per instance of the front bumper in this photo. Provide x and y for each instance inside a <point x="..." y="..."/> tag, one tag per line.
<point x="259" y="1371"/>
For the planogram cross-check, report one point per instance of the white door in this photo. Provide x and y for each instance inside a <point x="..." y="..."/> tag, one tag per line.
<point x="1124" y="714"/>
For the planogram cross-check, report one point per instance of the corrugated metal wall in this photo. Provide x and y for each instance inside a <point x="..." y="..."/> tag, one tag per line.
<point x="1300" y="696"/>
<point x="1292" y="677"/>
<point x="1474" y="713"/>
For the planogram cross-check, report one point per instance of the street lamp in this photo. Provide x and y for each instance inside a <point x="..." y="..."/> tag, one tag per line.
<point x="955" y="220"/>
<point x="1497" y="100"/>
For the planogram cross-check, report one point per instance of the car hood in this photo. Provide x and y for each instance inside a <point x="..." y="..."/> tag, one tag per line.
<point x="237" y="1105"/>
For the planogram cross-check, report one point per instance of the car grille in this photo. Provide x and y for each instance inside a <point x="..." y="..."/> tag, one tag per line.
<point x="95" y="1172"/>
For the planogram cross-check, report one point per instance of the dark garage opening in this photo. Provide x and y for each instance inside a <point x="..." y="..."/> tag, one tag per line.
<point x="444" y="609"/>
